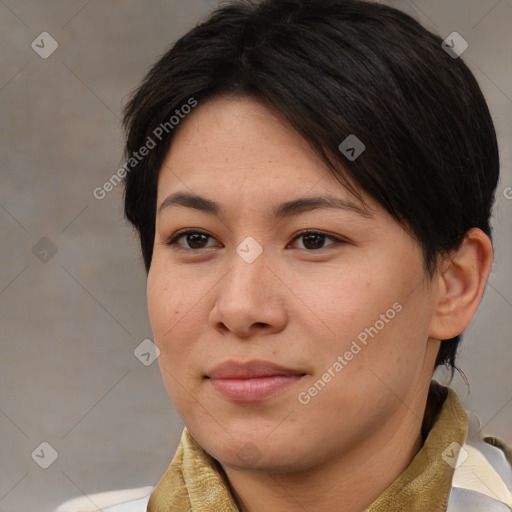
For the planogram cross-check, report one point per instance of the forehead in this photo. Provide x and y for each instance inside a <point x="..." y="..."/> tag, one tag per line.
<point x="240" y="146"/>
<point x="237" y="136"/>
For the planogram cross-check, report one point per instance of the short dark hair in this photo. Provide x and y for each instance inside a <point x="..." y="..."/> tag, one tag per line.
<point x="335" y="68"/>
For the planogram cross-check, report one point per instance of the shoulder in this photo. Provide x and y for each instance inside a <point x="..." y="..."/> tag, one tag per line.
<point x="125" y="500"/>
<point x="499" y="443"/>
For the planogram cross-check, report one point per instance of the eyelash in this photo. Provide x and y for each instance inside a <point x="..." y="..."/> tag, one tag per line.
<point x="174" y="239"/>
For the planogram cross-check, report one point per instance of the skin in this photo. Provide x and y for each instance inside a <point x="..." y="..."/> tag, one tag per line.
<point x="301" y="306"/>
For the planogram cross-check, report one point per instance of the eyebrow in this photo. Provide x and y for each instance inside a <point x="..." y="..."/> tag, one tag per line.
<point x="286" y="209"/>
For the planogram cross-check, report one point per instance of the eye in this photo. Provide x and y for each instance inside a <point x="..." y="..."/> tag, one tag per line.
<point x="314" y="240"/>
<point x="193" y="238"/>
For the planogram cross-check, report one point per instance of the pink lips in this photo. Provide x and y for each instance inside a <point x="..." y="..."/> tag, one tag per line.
<point x="251" y="381"/>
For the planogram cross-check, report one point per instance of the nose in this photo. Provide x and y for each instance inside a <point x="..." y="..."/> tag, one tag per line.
<point x="250" y="299"/>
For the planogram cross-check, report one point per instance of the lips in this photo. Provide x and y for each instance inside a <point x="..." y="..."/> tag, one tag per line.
<point x="250" y="370"/>
<point x="251" y="381"/>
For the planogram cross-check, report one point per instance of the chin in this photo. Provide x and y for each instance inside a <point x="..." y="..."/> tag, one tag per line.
<point x="249" y="452"/>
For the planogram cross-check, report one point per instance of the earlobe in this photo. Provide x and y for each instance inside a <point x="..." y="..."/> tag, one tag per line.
<point x="461" y="282"/>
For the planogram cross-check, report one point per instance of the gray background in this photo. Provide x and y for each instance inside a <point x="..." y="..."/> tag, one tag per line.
<point x="69" y="325"/>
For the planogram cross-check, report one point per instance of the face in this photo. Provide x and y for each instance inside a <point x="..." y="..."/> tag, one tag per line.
<point x="343" y="310"/>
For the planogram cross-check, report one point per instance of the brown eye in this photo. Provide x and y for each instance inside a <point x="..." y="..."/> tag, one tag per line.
<point x="195" y="239"/>
<point x="314" y="240"/>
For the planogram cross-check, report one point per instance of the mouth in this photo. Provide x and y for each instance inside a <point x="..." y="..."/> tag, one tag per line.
<point x="251" y="381"/>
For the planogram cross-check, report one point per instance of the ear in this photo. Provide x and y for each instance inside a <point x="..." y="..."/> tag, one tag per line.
<point x="461" y="281"/>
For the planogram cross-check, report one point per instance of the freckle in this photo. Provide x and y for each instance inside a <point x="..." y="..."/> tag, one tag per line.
<point x="177" y="312"/>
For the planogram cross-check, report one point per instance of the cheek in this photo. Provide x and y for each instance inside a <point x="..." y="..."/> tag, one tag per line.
<point x="159" y="306"/>
<point x="177" y="311"/>
<point x="342" y="302"/>
<point x="168" y="297"/>
<point x="167" y="310"/>
<point x="369" y="309"/>
<point x="173" y="335"/>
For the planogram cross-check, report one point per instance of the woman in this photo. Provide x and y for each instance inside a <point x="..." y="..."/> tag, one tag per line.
<point x="312" y="184"/>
